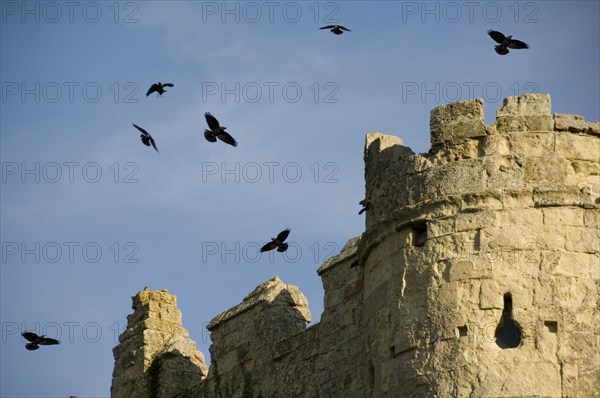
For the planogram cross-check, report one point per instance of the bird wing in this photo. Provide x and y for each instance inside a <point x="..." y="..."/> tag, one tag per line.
<point x="32" y="346"/>
<point x="497" y="36"/>
<point x="212" y="121"/>
<point x="268" y="246"/>
<point x="153" y="88"/>
<point x="168" y="85"/>
<point x="345" y="28"/>
<point x="226" y="137"/>
<point x="517" y="44"/>
<point x="30" y="336"/>
<point x="48" y="341"/>
<point x="141" y="129"/>
<point x="153" y="143"/>
<point x="209" y="136"/>
<point x="283" y="247"/>
<point x="328" y="27"/>
<point x="283" y="235"/>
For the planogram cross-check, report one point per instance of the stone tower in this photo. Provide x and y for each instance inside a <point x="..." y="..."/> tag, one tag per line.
<point x="478" y="275"/>
<point x="155" y="357"/>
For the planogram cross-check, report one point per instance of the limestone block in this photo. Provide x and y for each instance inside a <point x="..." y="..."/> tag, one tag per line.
<point x="528" y="112"/>
<point x="575" y="124"/>
<point x="578" y="147"/>
<point x="454" y="122"/>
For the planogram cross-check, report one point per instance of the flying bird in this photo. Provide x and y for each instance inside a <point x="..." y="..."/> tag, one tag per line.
<point x="336" y="29"/>
<point x="159" y="88"/>
<point x="37" y="341"/>
<point x="366" y="204"/>
<point x="277" y="242"/>
<point x="506" y="42"/>
<point x="217" y="131"/>
<point x="146" y="137"/>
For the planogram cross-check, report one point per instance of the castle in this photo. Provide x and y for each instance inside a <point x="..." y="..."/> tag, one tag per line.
<point x="478" y="276"/>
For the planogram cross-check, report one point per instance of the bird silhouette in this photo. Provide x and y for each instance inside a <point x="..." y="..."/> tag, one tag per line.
<point x="37" y="341"/>
<point x="366" y="204"/>
<point x="506" y="42"/>
<point x="146" y="137"/>
<point x="336" y="29"/>
<point x="217" y="131"/>
<point x="277" y="242"/>
<point x="159" y="88"/>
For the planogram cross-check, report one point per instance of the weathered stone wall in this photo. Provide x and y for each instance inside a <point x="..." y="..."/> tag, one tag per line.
<point x="478" y="275"/>
<point x="155" y="357"/>
<point x="510" y="208"/>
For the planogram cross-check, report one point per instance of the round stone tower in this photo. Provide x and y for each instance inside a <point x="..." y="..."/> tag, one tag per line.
<point x="481" y="258"/>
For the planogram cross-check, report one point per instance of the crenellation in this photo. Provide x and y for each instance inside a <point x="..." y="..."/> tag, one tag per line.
<point x="457" y="121"/>
<point x="493" y="216"/>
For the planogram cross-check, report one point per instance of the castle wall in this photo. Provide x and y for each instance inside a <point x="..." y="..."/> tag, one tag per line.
<point x="510" y="208"/>
<point x="478" y="275"/>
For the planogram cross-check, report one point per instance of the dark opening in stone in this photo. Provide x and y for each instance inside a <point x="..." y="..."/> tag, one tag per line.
<point x="508" y="334"/>
<point x="552" y="326"/>
<point x="419" y="232"/>
<point x="371" y="375"/>
<point x="462" y="331"/>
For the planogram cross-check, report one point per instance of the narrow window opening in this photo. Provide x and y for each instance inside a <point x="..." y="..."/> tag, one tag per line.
<point x="552" y="326"/>
<point x="419" y="232"/>
<point x="508" y="333"/>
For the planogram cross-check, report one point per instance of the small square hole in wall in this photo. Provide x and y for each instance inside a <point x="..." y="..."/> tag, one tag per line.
<point x="552" y="326"/>
<point x="462" y="331"/>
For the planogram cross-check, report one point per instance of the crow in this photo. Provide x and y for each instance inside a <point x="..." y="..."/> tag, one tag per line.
<point x="366" y="204"/>
<point x="217" y="131"/>
<point x="506" y="42"/>
<point x="159" y="88"/>
<point x="336" y="29"/>
<point x="146" y="137"/>
<point x="37" y="341"/>
<point x="277" y="242"/>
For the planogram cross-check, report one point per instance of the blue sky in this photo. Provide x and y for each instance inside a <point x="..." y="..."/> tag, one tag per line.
<point x="90" y="216"/>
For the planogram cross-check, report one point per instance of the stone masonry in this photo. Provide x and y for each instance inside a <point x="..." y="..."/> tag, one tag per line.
<point x="478" y="276"/>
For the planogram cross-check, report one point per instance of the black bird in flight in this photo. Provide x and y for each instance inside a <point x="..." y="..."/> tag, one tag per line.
<point x="37" y="341"/>
<point x="159" y="88"/>
<point x="146" y="137"/>
<point x="336" y="29"/>
<point x="506" y="42"/>
<point x="366" y="204"/>
<point x="217" y="131"/>
<point x="277" y="242"/>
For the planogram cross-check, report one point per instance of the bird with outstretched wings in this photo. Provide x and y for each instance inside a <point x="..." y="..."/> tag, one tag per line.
<point x="146" y="137"/>
<point x="36" y="341"/>
<point x="217" y="131"/>
<point x="336" y="29"/>
<point x="506" y="42"/>
<point x="159" y="88"/>
<point x="277" y="242"/>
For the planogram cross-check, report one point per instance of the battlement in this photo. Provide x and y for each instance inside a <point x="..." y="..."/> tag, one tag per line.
<point x="525" y="151"/>
<point x="478" y="274"/>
